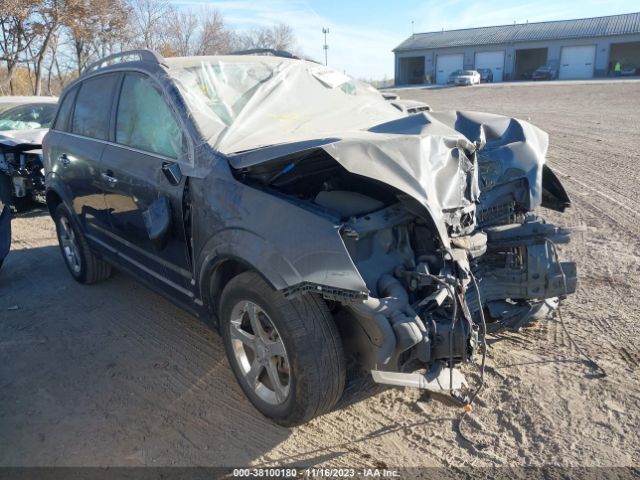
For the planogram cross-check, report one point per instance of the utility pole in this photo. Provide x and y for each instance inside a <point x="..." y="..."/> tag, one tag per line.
<point x="325" y="46"/>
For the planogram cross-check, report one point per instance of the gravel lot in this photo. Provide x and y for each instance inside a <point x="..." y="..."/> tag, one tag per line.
<point x="113" y="374"/>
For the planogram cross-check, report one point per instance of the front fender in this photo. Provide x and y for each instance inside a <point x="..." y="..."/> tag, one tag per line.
<point x="287" y="244"/>
<point x="250" y="250"/>
<point x="59" y="188"/>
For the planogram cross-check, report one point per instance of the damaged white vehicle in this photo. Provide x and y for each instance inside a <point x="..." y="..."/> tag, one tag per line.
<point x="313" y="221"/>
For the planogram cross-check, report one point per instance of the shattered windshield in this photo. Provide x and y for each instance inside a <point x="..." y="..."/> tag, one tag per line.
<point x="241" y="103"/>
<point x="27" y="117"/>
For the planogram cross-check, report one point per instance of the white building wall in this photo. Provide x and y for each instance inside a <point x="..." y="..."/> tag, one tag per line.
<point x="603" y="45"/>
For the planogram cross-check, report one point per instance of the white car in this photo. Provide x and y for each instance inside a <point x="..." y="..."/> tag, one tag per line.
<point x="465" y="77"/>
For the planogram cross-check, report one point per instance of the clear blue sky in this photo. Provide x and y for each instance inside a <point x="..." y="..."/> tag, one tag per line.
<point x="363" y="33"/>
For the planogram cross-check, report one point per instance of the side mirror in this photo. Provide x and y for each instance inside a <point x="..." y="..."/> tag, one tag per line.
<point x="157" y="220"/>
<point x="172" y="172"/>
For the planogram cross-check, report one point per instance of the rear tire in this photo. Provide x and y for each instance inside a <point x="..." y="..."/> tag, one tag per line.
<point x="83" y="265"/>
<point x="301" y="344"/>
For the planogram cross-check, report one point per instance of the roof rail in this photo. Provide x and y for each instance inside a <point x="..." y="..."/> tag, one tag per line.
<point x="143" y="55"/>
<point x="266" y="51"/>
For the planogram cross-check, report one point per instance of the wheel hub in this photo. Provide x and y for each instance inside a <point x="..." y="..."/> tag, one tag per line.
<point x="259" y="352"/>
<point x="69" y="245"/>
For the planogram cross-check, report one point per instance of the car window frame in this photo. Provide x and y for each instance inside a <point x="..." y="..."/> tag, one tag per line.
<point x="187" y="148"/>
<point x="118" y="79"/>
<point x="72" y="91"/>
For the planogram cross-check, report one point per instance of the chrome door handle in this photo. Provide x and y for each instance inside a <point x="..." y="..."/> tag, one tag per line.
<point x="109" y="178"/>
<point x="64" y="160"/>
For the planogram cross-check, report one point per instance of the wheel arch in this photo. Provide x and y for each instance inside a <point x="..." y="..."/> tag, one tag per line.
<point x="215" y="275"/>
<point x="53" y="199"/>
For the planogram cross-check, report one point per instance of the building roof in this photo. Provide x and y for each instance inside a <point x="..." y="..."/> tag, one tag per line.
<point x="525" y="32"/>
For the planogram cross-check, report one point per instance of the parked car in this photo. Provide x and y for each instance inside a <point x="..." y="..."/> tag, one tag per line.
<point x="628" y="70"/>
<point x="10" y="101"/>
<point x="486" y="75"/>
<point x="527" y="74"/>
<point x="545" y="72"/>
<point x="308" y="219"/>
<point x="464" y="77"/>
<point x="23" y="123"/>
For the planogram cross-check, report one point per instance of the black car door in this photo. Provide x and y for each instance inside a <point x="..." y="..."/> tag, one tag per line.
<point x="75" y="146"/>
<point x="145" y="207"/>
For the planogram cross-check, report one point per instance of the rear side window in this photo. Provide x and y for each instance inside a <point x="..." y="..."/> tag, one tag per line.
<point x="144" y="119"/>
<point x="62" y="120"/>
<point x="93" y="107"/>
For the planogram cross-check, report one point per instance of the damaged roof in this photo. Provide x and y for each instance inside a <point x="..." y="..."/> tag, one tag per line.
<point x="525" y="32"/>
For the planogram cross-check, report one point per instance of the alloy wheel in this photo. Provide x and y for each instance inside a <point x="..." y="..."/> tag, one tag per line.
<point x="260" y="352"/>
<point x="69" y="245"/>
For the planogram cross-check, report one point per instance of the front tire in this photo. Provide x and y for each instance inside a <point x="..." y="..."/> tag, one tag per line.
<point x="83" y="265"/>
<point x="286" y="354"/>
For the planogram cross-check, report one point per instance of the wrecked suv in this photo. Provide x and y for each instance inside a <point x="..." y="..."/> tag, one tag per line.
<point x="316" y="225"/>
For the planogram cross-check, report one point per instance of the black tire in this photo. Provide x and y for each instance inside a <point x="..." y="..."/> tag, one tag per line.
<point x="316" y="364"/>
<point x="5" y="216"/>
<point x="91" y="268"/>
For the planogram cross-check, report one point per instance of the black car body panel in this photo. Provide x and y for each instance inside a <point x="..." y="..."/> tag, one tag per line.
<point x="390" y="219"/>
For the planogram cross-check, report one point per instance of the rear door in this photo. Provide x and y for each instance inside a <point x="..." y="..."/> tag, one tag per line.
<point x="75" y="145"/>
<point x="147" y="137"/>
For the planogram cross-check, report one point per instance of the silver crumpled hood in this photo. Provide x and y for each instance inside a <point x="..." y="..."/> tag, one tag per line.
<point x="19" y="137"/>
<point x="256" y="109"/>
<point x="442" y="159"/>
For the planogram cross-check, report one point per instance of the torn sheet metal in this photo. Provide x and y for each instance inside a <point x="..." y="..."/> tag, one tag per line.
<point x="257" y="109"/>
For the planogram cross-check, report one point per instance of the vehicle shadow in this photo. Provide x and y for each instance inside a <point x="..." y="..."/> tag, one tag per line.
<point x="114" y="374"/>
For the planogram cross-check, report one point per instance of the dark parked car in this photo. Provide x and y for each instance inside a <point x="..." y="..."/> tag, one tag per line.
<point x="486" y="75"/>
<point x="546" y="72"/>
<point x="307" y="218"/>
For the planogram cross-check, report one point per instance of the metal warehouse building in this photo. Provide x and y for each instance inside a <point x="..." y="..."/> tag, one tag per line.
<point x="581" y="48"/>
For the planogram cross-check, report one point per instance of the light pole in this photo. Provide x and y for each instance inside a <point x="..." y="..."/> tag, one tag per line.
<point x="325" y="46"/>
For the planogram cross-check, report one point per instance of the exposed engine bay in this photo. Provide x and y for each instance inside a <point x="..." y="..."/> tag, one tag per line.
<point x="434" y="278"/>
<point x="21" y="161"/>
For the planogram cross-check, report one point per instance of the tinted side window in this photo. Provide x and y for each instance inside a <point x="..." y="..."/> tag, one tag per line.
<point x="93" y="107"/>
<point x="145" y="120"/>
<point x="62" y="120"/>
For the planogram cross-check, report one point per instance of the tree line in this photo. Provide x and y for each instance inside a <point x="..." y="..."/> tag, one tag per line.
<point x="44" y="44"/>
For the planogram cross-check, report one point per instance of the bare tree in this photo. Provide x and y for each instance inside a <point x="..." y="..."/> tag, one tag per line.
<point x="96" y="28"/>
<point x="16" y="34"/>
<point x="278" y="37"/>
<point x="198" y="32"/>
<point x="54" y="40"/>
<point x="47" y="16"/>
<point x="148" y="21"/>
<point x="215" y="38"/>
<point x="283" y="38"/>
<point x="182" y="34"/>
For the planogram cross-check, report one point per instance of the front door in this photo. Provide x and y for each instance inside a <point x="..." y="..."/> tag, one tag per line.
<point x="146" y="208"/>
<point x="78" y="139"/>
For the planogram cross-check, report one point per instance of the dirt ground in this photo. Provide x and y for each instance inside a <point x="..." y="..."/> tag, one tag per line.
<point x="113" y="374"/>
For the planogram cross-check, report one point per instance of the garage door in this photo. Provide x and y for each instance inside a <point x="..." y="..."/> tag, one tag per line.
<point x="492" y="60"/>
<point x="447" y="64"/>
<point x="577" y="62"/>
